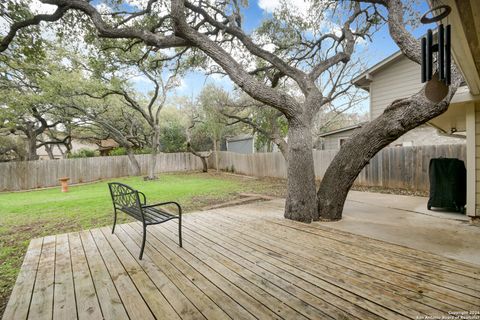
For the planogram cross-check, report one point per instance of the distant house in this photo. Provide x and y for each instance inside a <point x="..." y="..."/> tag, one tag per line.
<point x="246" y="144"/>
<point x="394" y="78"/>
<point x="333" y="140"/>
<point x="106" y="146"/>
<point x="59" y="150"/>
<point x="241" y="144"/>
<point x="103" y="146"/>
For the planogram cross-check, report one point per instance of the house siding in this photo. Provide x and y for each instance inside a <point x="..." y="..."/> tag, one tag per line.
<point x="331" y="142"/>
<point x="477" y="158"/>
<point x="401" y="79"/>
<point x="424" y="135"/>
<point x="241" y="146"/>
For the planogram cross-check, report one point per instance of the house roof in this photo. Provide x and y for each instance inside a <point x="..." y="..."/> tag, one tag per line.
<point x="352" y="127"/>
<point x="362" y="80"/>
<point x="240" y="138"/>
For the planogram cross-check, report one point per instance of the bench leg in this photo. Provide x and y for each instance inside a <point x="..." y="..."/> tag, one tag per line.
<point x="180" y="231"/>
<point x="143" y="241"/>
<point x="114" y="219"/>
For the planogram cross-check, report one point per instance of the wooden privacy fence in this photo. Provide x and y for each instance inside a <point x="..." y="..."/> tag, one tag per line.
<point x="45" y="173"/>
<point x="396" y="167"/>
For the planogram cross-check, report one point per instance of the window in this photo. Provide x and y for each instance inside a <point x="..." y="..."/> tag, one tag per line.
<point x="341" y="141"/>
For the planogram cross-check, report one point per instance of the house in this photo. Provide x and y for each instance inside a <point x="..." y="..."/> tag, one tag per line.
<point x="106" y="146"/>
<point x="394" y="78"/>
<point x="333" y="140"/>
<point x="241" y="144"/>
<point x="397" y="77"/>
<point x="59" y="150"/>
<point x="246" y="144"/>
<point x="464" y="110"/>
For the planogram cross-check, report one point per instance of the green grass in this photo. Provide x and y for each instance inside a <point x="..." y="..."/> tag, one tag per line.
<point x="33" y="214"/>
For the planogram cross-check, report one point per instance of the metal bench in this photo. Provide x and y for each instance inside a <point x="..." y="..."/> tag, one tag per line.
<point x="127" y="200"/>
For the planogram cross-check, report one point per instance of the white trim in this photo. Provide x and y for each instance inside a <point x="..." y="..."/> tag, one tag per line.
<point x="352" y="127"/>
<point x="471" y="159"/>
<point x="461" y="50"/>
<point x="463" y="94"/>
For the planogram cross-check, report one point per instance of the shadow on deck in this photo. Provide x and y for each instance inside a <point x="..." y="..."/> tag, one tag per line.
<point x="243" y="262"/>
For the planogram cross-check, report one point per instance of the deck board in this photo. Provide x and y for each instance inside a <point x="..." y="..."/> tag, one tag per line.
<point x="64" y="292"/>
<point x="243" y="262"/>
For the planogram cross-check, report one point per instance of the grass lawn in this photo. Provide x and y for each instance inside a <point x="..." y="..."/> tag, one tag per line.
<point x="33" y="214"/>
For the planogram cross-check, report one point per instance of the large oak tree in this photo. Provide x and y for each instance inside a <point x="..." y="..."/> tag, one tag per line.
<point x="304" y="50"/>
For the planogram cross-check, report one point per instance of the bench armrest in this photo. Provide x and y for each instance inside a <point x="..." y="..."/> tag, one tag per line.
<point x="165" y="203"/>
<point x="143" y="196"/>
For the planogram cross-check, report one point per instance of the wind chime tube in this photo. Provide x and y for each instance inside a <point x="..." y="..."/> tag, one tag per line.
<point x="441" y="53"/>
<point x="429" y="54"/>
<point x="424" y="60"/>
<point x="448" y="55"/>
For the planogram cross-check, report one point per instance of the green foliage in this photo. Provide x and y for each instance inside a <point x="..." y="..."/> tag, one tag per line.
<point x="84" y="153"/>
<point x="12" y="148"/>
<point x="173" y="130"/>
<point x="212" y="123"/>
<point x="119" y="151"/>
<point x="173" y="138"/>
<point x="146" y="150"/>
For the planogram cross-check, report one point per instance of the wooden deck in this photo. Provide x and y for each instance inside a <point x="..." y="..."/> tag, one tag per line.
<point x="242" y="262"/>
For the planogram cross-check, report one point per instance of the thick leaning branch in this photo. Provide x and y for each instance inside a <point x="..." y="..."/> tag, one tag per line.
<point x="240" y="77"/>
<point x="400" y="117"/>
<point x="106" y="31"/>
<point x="17" y="26"/>
<point x="294" y="73"/>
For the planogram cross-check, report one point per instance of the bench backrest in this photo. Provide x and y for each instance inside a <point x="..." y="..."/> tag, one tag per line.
<point x="124" y="197"/>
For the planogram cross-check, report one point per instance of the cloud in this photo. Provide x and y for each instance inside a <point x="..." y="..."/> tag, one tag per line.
<point x="182" y="86"/>
<point x="139" y="4"/>
<point x="295" y="5"/>
<point x="38" y="7"/>
<point x="269" y="5"/>
<point x="4" y="26"/>
<point x="103" y="8"/>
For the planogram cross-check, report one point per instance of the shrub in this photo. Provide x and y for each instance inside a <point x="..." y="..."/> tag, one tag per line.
<point x="145" y="150"/>
<point x="84" y="153"/>
<point x="119" y="151"/>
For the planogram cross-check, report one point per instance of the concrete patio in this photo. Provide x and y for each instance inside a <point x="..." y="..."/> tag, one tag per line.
<point x="405" y="220"/>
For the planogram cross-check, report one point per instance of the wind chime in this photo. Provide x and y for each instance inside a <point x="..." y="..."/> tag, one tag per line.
<point x="438" y="82"/>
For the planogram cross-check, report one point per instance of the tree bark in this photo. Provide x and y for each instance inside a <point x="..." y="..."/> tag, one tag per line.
<point x="203" y="157"/>
<point x="400" y="117"/>
<point x="133" y="161"/>
<point x="49" y="151"/>
<point x="153" y="155"/>
<point x="215" y="150"/>
<point x="32" y="148"/>
<point x="301" y="202"/>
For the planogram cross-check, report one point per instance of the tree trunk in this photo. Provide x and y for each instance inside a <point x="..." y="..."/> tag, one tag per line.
<point x="400" y="117"/>
<point x="301" y="202"/>
<point x="133" y="161"/>
<point x="32" y="148"/>
<point x="204" y="164"/>
<point x="49" y="151"/>
<point x="282" y="146"/>
<point x="215" y="150"/>
<point x="202" y="157"/>
<point x="153" y="155"/>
